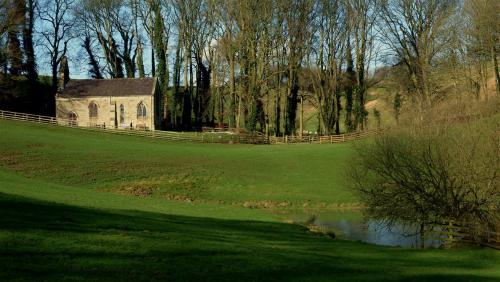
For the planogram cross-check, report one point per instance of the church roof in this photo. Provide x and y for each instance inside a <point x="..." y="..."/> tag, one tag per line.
<point x="109" y="87"/>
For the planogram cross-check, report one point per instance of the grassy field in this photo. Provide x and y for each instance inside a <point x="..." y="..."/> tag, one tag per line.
<point x="285" y="176"/>
<point x="76" y="205"/>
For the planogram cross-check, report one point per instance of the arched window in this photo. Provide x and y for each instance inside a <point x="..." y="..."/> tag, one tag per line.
<point x="141" y="110"/>
<point x="72" y="118"/>
<point x="92" y="110"/>
<point x="122" y="114"/>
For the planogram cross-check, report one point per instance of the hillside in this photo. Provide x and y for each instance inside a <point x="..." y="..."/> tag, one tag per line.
<point x="289" y="176"/>
<point x="66" y="214"/>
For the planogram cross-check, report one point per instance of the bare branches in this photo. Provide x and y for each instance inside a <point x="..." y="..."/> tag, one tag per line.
<point x="425" y="175"/>
<point x="415" y="32"/>
<point x="58" y="23"/>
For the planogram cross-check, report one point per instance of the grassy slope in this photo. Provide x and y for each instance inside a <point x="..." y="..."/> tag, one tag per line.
<point x="297" y="174"/>
<point x="380" y="98"/>
<point x="55" y="226"/>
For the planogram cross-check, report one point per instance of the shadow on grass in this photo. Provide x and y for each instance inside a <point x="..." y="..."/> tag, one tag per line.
<point x="46" y="241"/>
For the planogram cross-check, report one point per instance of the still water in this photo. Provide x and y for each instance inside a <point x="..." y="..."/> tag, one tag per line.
<point x="352" y="226"/>
<point x="374" y="232"/>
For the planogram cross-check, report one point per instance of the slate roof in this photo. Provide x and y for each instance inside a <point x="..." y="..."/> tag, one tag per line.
<point x="108" y="87"/>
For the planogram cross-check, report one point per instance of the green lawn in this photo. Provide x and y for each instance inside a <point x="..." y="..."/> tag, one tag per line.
<point x="66" y="214"/>
<point x="259" y="175"/>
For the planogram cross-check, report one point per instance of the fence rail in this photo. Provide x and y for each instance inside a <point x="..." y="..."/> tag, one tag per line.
<point x="189" y="137"/>
<point x="221" y="136"/>
<point x="455" y="232"/>
<point x="327" y="139"/>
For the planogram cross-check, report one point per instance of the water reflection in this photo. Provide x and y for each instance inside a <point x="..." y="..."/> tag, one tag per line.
<point x="374" y="232"/>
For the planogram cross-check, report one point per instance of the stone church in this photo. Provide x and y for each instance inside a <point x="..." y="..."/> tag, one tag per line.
<point x="128" y="103"/>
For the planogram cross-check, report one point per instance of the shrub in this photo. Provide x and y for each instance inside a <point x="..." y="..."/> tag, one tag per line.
<point x="431" y="173"/>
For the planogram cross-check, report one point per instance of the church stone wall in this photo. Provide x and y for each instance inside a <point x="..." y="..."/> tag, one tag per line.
<point x="106" y="111"/>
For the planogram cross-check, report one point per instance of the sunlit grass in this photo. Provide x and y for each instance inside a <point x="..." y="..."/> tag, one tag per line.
<point x="65" y="214"/>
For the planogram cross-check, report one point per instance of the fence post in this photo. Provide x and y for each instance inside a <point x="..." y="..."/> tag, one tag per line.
<point x="343" y="137"/>
<point x="331" y="139"/>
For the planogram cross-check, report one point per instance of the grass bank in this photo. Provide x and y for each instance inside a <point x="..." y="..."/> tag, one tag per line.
<point x="258" y="176"/>
<point x="45" y="241"/>
<point x="63" y="215"/>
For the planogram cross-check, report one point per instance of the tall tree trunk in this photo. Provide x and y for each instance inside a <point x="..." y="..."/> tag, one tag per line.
<point x="28" y="43"/>
<point x="337" y="112"/>
<point x="277" y="114"/>
<point x="301" y="116"/>
<point x="277" y="130"/>
<point x="95" y="71"/>
<point x="15" y="18"/>
<point x="349" y="88"/>
<point x="140" y="59"/>
<point x="186" y="112"/>
<point x="422" y="235"/>
<point x="177" y="99"/>
<point x="197" y="96"/>
<point x="292" y="101"/>
<point x="14" y="53"/>
<point x="54" y="76"/>
<point x="360" y="90"/>
<point x="160" y="51"/>
<point x="495" y="63"/>
<point x="153" y="63"/>
<point x="232" y="91"/>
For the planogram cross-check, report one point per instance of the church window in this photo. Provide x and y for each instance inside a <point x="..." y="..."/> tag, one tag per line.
<point x="93" y="110"/>
<point x="122" y="114"/>
<point x="73" y="118"/>
<point x="141" y="110"/>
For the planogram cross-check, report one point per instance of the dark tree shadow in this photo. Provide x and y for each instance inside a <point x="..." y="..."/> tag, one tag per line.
<point x="47" y="241"/>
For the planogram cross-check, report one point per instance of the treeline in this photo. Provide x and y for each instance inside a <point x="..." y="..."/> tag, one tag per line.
<point x="254" y="64"/>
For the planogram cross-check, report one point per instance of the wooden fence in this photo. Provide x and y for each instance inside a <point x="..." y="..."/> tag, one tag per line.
<point x="327" y="139"/>
<point x="222" y="136"/>
<point x="188" y="137"/>
<point x="454" y="232"/>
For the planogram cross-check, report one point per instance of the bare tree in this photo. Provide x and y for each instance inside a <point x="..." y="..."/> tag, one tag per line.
<point x="362" y="15"/>
<point x="415" y="32"/>
<point x="325" y="64"/>
<point x="56" y="31"/>
<point x="225" y="12"/>
<point x="189" y="18"/>
<point x="298" y="17"/>
<point x="420" y="175"/>
<point x="484" y="38"/>
<point x="111" y="22"/>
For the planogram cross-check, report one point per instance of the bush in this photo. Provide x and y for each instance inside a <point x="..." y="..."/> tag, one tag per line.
<point x="431" y="173"/>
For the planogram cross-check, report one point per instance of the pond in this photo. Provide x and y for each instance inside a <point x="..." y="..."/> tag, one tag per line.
<point x="374" y="232"/>
<point x="352" y="226"/>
